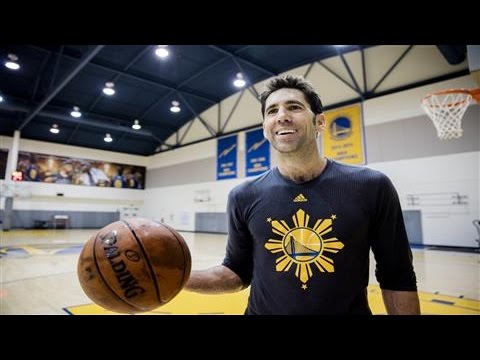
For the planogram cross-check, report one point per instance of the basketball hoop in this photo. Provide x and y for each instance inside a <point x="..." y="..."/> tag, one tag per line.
<point x="446" y="109"/>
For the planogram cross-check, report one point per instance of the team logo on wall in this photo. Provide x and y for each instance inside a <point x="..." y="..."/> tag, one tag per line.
<point x="341" y="128"/>
<point x="343" y="139"/>
<point x="304" y="247"/>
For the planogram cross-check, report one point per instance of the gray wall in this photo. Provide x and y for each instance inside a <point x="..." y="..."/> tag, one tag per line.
<point x="413" y="225"/>
<point x="417" y="137"/>
<point x="217" y="223"/>
<point x="193" y="172"/>
<point x="211" y="222"/>
<point x="28" y="219"/>
<point x="402" y="139"/>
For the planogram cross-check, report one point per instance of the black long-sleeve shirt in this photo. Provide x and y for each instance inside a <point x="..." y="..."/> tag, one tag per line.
<point x="304" y="248"/>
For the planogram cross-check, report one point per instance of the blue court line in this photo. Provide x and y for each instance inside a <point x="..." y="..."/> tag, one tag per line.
<point x="443" y="302"/>
<point x="13" y="251"/>
<point x="70" y="250"/>
<point x="67" y="311"/>
<point x="452" y="303"/>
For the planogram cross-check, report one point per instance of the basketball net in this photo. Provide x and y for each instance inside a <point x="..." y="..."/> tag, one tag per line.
<point x="446" y="109"/>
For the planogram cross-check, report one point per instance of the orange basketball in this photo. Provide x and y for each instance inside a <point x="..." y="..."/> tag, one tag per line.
<point x="134" y="266"/>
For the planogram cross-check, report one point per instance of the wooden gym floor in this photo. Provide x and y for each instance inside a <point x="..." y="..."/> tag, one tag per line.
<point x="38" y="276"/>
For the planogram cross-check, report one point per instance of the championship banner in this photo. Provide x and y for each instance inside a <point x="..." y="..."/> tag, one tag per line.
<point x="343" y="138"/>
<point x="257" y="153"/>
<point x="227" y="157"/>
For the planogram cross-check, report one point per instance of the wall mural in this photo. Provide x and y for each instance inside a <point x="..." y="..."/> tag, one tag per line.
<point x="75" y="171"/>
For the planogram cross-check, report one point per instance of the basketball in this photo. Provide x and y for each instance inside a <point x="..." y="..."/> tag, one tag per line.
<point x="134" y="266"/>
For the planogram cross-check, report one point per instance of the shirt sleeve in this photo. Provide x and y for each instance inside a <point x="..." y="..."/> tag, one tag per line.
<point x="389" y="241"/>
<point x="238" y="257"/>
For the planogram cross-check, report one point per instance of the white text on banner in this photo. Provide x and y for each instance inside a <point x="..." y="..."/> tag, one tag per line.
<point x="343" y="138"/>
<point x="257" y="152"/>
<point x="227" y="157"/>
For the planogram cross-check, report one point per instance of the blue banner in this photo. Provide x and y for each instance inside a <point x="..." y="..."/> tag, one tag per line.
<point x="258" y="153"/>
<point x="227" y="157"/>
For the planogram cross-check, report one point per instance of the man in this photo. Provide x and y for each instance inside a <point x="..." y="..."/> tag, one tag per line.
<point x="300" y="234"/>
<point x="92" y="176"/>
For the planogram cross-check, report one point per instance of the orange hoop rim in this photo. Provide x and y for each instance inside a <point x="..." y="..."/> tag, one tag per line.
<point x="475" y="93"/>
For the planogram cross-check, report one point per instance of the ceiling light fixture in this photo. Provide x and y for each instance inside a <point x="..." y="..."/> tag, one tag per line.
<point x="136" y="125"/>
<point x="239" y="82"/>
<point x="12" y="63"/>
<point x="1" y="98"/>
<point x="76" y="112"/>
<point x="108" y="138"/>
<point x="54" y="129"/>
<point x="175" y="108"/>
<point x="108" y="89"/>
<point x="162" y="51"/>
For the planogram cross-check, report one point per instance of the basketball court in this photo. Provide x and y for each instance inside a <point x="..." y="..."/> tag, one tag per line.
<point x="39" y="276"/>
<point x="170" y="147"/>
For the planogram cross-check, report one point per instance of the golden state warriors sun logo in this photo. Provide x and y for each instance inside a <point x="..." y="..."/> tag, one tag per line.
<point x="304" y="246"/>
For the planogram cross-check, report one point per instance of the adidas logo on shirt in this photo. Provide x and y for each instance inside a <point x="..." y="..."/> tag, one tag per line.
<point x="300" y="198"/>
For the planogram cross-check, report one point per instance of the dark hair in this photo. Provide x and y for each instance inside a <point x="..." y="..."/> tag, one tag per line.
<point x="292" y="82"/>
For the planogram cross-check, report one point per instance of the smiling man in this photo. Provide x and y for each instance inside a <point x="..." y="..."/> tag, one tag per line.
<point x="301" y="233"/>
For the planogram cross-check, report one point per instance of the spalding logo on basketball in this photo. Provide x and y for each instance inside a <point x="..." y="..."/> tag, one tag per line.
<point x="134" y="266"/>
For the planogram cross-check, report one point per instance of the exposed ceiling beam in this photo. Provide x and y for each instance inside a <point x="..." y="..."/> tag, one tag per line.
<point x="183" y="83"/>
<point x="350" y="73"/>
<point x="337" y="76"/>
<point x="394" y="65"/>
<point x="361" y="97"/>
<point x="192" y="110"/>
<point x="233" y="55"/>
<point x="125" y="68"/>
<point x="251" y="87"/>
<point x="232" y="111"/>
<point x="454" y="54"/>
<point x="40" y="73"/>
<point x="24" y="106"/>
<point x="201" y="72"/>
<point x="83" y="61"/>
<point x="139" y="78"/>
<point x="86" y="121"/>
